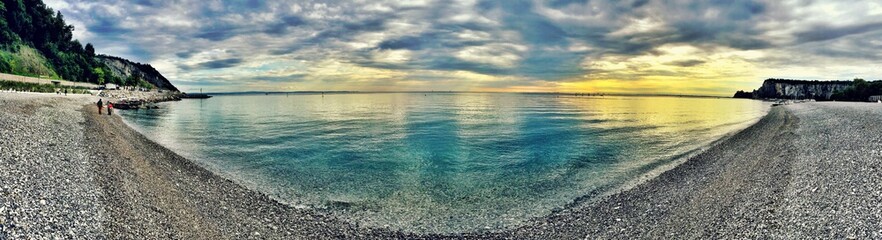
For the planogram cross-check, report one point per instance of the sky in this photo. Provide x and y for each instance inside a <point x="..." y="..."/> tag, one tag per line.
<point x="712" y="47"/>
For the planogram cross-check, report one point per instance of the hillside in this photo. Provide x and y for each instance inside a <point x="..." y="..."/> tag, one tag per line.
<point x="134" y="74"/>
<point x="35" y="41"/>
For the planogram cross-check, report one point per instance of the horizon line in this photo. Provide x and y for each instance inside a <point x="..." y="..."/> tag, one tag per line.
<point x="538" y="93"/>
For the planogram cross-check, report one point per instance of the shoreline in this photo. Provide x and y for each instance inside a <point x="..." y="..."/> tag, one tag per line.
<point x="736" y="188"/>
<point x="647" y="176"/>
<point x="679" y="202"/>
<point x="185" y="200"/>
<point x="647" y="173"/>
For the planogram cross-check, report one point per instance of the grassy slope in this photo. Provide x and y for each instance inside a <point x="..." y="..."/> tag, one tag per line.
<point x="35" y="87"/>
<point x="26" y="61"/>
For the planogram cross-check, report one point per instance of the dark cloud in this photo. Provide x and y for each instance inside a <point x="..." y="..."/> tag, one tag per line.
<point x="202" y="83"/>
<point x="452" y="63"/>
<point x="862" y="47"/>
<point x="223" y="30"/>
<point x="186" y="54"/>
<point x="734" y="25"/>
<point x="256" y="4"/>
<point x="223" y="63"/>
<point x="340" y="30"/>
<point x="639" y="3"/>
<point x="148" y="3"/>
<point x="299" y="77"/>
<point x="104" y="23"/>
<point x="284" y="24"/>
<point x="545" y="37"/>
<point x="827" y="32"/>
<point x="563" y="3"/>
<point x="533" y="27"/>
<point x="548" y="40"/>
<point x="686" y="63"/>
<point x="217" y="35"/>
<point x="410" y="43"/>
<point x="551" y="65"/>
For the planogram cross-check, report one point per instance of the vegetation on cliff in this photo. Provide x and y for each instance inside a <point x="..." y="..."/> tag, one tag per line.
<point x="135" y="74"/>
<point x="860" y="90"/>
<point x="35" y="41"/>
<point x="743" y="94"/>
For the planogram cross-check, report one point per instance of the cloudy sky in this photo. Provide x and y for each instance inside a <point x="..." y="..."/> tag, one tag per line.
<point x="711" y="47"/>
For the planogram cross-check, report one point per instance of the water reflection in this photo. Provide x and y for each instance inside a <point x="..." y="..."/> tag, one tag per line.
<point x="438" y="162"/>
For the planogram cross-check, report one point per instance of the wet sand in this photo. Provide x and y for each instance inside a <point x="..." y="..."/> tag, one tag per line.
<point x="804" y="170"/>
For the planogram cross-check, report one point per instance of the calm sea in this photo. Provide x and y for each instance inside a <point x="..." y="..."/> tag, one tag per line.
<point x="440" y="162"/>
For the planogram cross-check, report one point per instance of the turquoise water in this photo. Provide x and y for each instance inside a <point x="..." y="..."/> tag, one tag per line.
<point x="439" y="162"/>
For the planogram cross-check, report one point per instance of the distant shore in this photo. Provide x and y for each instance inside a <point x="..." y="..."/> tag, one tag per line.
<point x="804" y="170"/>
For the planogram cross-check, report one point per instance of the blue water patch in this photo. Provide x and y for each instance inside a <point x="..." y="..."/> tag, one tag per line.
<point x="438" y="162"/>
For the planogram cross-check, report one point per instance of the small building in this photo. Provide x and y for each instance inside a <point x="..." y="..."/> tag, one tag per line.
<point x="875" y="98"/>
<point x="110" y="86"/>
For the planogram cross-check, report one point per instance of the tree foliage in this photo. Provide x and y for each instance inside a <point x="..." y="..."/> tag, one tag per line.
<point x="860" y="90"/>
<point x="743" y="94"/>
<point x="99" y="75"/>
<point x="32" y="24"/>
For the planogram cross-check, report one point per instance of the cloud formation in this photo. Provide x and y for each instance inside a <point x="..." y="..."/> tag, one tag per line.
<point x="647" y="46"/>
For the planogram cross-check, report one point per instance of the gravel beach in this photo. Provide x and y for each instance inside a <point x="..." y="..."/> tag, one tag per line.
<point x="807" y="170"/>
<point x="70" y="173"/>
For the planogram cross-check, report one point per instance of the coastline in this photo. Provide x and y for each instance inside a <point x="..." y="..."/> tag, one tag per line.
<point x="740" y="187"/>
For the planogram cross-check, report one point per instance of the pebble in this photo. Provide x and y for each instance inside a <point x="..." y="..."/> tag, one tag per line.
<point x="40" y="146"/>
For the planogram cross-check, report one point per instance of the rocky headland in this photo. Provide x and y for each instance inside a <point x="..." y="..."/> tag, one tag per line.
<point x="806" y="89"/>
<point x="125" y="69"/>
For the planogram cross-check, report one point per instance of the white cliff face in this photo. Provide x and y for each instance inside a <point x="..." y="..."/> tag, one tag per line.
<point x="793" y="89"/>
<point x="124" y="69"/>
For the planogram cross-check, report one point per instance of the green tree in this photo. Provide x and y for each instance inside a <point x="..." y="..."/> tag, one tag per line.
<point x="99" y="75"/>
<point x="31" y="25"/>
<point x="90" y="50"/>
<point x="6" y="36"/>
<point x="860" y="90"/>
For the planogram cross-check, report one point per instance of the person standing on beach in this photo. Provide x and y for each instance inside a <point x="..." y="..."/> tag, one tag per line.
<point x="100" y="105"/>
<point x="109" y="108"/>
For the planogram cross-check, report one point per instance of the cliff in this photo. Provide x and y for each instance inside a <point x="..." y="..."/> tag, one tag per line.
<point x="796" y="89"/>
<point x="800" y="89"/>
<point x="132" y="72"/>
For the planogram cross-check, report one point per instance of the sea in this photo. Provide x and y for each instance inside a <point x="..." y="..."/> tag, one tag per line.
<point x="441" y="162"/>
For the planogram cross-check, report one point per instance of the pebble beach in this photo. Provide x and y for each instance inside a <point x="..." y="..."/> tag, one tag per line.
<point x="808" y="170"/>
